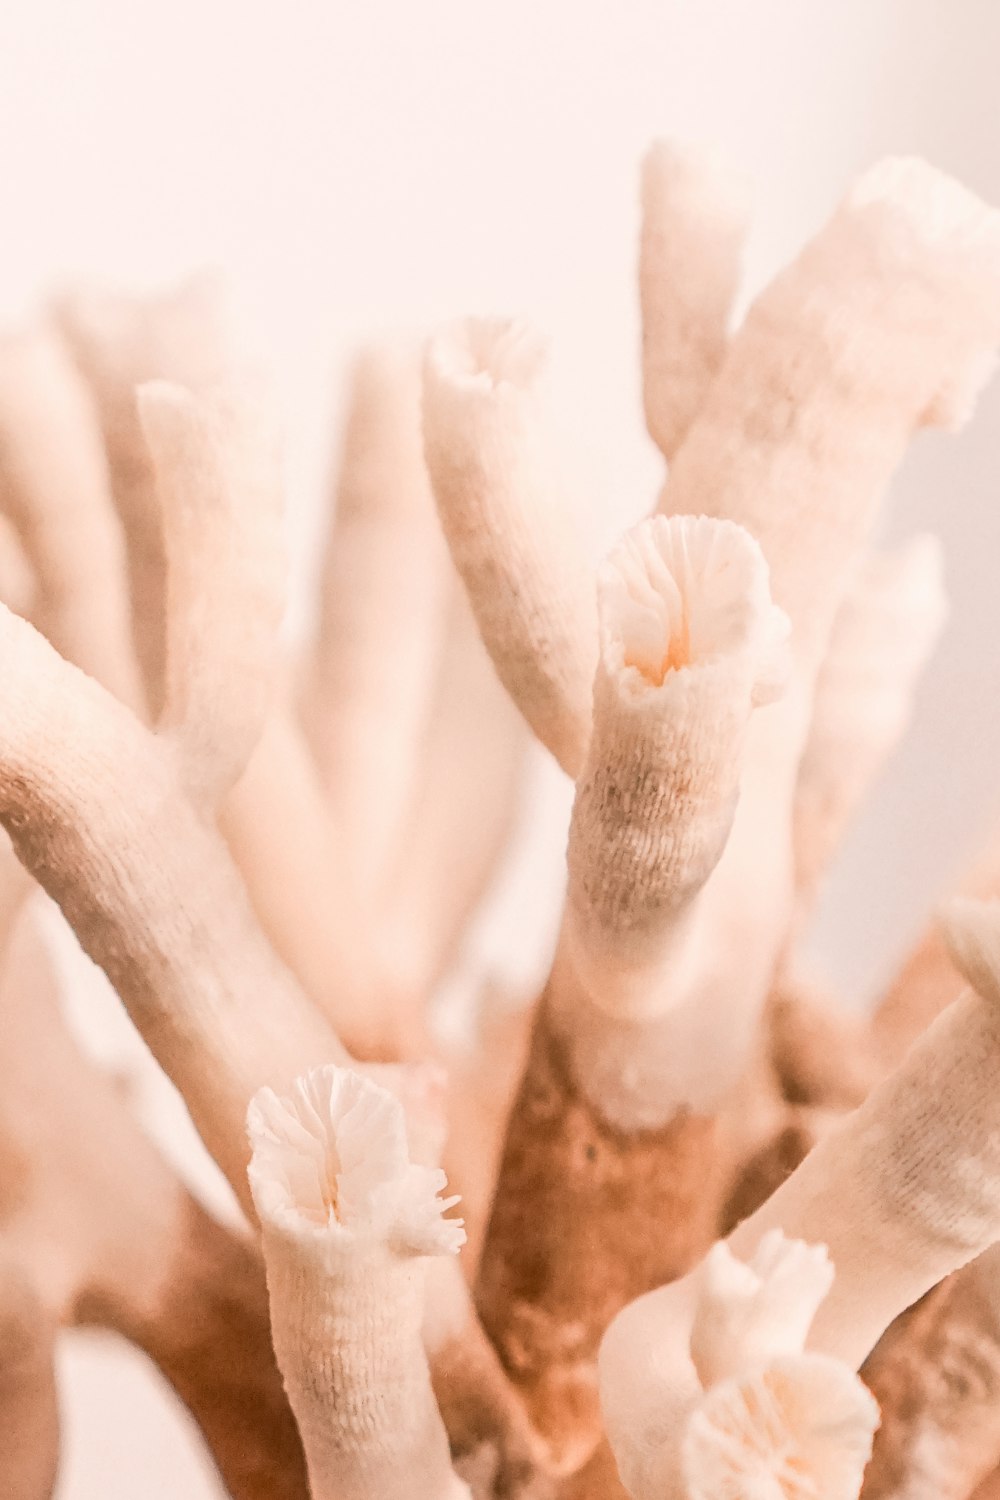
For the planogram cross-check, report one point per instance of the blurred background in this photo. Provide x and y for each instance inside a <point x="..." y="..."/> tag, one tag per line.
<point x="358" y="168"/>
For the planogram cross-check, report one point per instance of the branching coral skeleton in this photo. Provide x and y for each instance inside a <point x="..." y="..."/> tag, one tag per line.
<point x="700" y="1200"/>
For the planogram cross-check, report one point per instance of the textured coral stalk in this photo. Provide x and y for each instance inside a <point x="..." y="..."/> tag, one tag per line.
<point x="907" y="1189"/>
<point x="606" y="1182"/>
<point x="347" y="1221"/>
<point x="690" y="643"/>
<point x="887" y="320"/>
<point x="94" y="805"/>
<point x="585" y="1217"/>
<point x="279" y="829"/>
<point x="513" y="538"/>
<point x="217" y="473"/>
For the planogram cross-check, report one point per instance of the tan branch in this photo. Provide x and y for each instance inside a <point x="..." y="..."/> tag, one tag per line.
<point x="514" y="541"/>
<point x="119" y="342"/>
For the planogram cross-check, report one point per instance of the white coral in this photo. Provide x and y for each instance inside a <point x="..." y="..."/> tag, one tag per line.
<point x="799" y="1429"/>
<point x="333" y="1158"/>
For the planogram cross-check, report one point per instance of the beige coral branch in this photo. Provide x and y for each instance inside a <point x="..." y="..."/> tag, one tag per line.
<point x="695" y="216"/>
<point x="97" y="813"/>
<point x="602" y="1147"/>
<point x="202" y="465"/>
<point x="888" y="320"/>
<point x="882" y="635"/>
<point x="216" y="465"/>
<point x="218" y="481"/>
<point x="278" y="827"/>
<point x="119" y="342"/>
<point x="689" y="644"/>
<point x="514" y="538"/>
<point x="347" y="1220"/>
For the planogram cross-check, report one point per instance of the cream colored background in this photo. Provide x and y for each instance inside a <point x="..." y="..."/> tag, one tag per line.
<point x="358" y="165"/>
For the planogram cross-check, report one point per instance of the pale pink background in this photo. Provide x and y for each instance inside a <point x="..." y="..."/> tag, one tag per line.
<point x="360" y="165"/>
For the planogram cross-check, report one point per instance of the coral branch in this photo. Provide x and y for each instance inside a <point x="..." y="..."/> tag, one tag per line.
<point x="516" y="545"/>
<point x="689" y="644"/>
<point x="97" y="814"/>
<point x="119" y="342"/>
<point x="609" y="1136"/>
<point x="585" y="1216"/>
<point x="215" y="460"/>
<point x="346" y="1221"/>
<point x="278" y="827"/>
<point x="882" y="635"/>
<point x="888" y="320"/>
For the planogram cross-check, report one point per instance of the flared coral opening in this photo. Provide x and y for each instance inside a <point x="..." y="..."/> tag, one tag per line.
<point x="333" y="1158"/>
<point x="685" y="591"/>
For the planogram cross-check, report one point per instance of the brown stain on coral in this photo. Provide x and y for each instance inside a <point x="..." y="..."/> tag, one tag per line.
<point x="585" y="1218"/>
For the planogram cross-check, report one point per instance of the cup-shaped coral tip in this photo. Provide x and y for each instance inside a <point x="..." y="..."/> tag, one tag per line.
<point x="688" y="591"/>
<point x="801" y="1428"/>
<point x="751" y="1312"/>
<point x="332" y="1159"/>
<point x="484" y="354"/>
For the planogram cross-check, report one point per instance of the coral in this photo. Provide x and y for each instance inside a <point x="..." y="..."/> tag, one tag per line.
<point x="714" y="1226"/>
